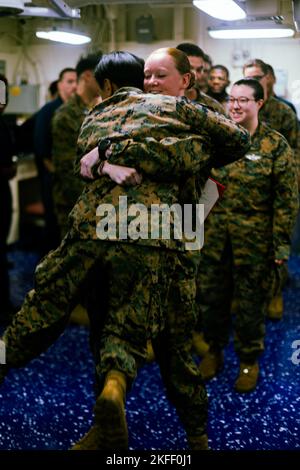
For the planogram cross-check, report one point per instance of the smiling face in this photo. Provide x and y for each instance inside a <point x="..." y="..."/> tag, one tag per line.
<point x="243" y="108"/>
<point x="162" y="76"/>
<point x="218" y="80"/>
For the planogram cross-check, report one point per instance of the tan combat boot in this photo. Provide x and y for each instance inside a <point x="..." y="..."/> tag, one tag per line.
<point x="198" y="442"/>
<point x="110" y="429"/>
<point x="247" y="379"/>
<point x="200" y="346"/>
<point x="275" y="308"/>
<point x="150" y="352"/>
<point x="79" y="316"/>
<point x="211" y="364"/>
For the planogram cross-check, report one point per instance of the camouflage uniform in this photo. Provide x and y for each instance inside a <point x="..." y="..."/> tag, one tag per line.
<point x="206" y="100"/>
<point x="67" y="187"/>
<point x="281" y="117"/>
<point x="203" y="98"/>
<point x="244" y="233"/>
<point x="60" y="278"/>
<point x="172" y="346"/>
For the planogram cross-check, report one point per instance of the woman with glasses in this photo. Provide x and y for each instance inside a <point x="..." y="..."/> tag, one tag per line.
<point x="278" y="116"/>
<point x="246" y="234"/>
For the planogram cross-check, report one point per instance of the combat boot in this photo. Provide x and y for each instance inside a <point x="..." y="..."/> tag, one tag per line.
<point x="211" y="364"/>
<point x="275" y="308"/>
<point x="247" y="379"/>
<point x="198" y="442"/>
<point x="200" y="346"/>
<point x="150" y="357"/>
<point x="110" y="429"/>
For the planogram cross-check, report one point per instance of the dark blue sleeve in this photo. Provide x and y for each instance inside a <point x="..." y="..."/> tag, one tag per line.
<point x="42" y="137"/>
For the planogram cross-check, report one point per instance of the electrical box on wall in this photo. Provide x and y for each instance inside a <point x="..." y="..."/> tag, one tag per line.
<point x="239" y="57"/>
<point x="144" y="29"/>
<point x="2" y="67"/>
<point x="23" y="99"/>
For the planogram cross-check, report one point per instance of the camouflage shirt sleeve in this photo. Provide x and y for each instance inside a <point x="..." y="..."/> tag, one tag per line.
<point x="170" y="158"/>
<point x="229" y="139"/>
<point x="186" y="155"/>
<point x="65" y="131"/>
<point x="285" y="205"/>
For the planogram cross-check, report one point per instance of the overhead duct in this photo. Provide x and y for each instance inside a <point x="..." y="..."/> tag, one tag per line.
<point x="82" y="3"/>
<point x="296" y="14"/>
<point x="60" y="9"/>
<point x="11" y="7"/>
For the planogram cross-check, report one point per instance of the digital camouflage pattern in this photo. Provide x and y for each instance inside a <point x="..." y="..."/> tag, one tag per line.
<point x="249" y="227"/>
<point x="260" y="202"/>
<point x="61" y="281"/>
<point x="281" y="117"/>
<point x="172" y="346"/>
<point x="204" y="99"/>
<point x="150" y="122"/>
<point x="67" y="187"/>
<point x="218" y="283"/>
<point x="65" y="274"/>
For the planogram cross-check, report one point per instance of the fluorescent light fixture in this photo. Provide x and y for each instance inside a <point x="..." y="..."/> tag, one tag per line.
<point x="11" y="7"/>
<point x="40" y="12"/>
<point x="251" y="33"/>
<point x="64" y="37"/>
<point x="226" y="10"/>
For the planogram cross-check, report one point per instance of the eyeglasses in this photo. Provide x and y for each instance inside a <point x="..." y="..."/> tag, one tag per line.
<point x="240" y="100"/>
<point x="257" y="77"/>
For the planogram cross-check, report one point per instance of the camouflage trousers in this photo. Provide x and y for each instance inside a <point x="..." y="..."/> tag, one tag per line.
<point x="182" y="379"/>
<point x="128" y="306"/>
<point x="119" y="346"/>
<point x="62" y="278"/>
<point x="218" y="283"/>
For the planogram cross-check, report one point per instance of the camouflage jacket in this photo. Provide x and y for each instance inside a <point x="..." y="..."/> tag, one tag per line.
<point x="199" y="181"/>
<point x="66" y="124"/>
<point x="280" y="117"/>
<point x="167" y="139"/>
<point x="210" y="102"/>
<point x="259" y="205"/>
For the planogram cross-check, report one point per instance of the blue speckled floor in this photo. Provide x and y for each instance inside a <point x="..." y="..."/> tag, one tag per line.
<point x="48" y="405"/>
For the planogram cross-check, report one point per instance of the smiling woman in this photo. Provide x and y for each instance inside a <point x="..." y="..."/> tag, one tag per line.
<point x="168" y="72"/>
<point x="257" y="215"/>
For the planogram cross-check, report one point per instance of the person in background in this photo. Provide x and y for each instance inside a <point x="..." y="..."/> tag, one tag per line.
<point x="66" y="124"/>
<point x="271" y="80"/>
<point x="218" y="81"/>
<point x="247" y="234"/>
<point x="7" y="172"/>
<point x="53" y="89"/>
<point x="280" y="117"/>
<point x="203" y="82"/>
<point x="196" y="59"/>
<point x="42" y="140"/>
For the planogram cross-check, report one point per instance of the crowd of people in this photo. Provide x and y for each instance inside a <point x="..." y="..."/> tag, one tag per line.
<point x="152" y="132"/>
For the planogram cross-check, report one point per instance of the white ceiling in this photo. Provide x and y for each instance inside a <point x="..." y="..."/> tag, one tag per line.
<point x="254" y="8"/>
<point x="257" y="10"/>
